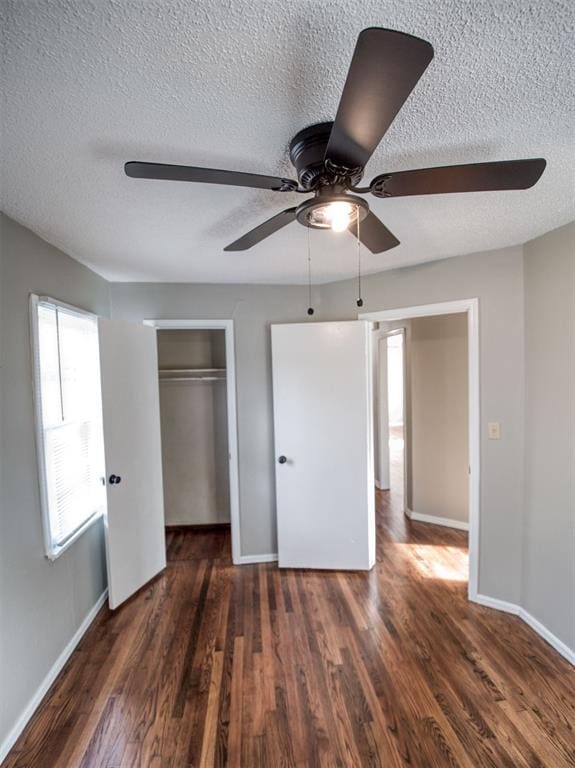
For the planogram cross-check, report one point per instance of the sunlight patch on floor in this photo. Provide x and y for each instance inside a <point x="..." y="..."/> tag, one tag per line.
<point x="427" y="558"/>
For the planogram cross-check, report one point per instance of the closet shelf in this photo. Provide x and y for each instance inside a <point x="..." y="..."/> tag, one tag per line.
<point x="192" y="374"/>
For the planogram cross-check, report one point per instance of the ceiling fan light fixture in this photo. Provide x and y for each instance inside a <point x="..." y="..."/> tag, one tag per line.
<point x="337" y="214"/>
<point x="341" y="215"/>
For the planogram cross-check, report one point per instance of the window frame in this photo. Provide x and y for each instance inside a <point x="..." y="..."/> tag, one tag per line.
<point x="51" y="550"/>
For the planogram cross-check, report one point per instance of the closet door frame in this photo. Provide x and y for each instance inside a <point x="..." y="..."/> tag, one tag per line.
<point x="228" y="327"/>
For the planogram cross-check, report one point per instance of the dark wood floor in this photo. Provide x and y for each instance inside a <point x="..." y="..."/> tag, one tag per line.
<point x="251" y="666"/>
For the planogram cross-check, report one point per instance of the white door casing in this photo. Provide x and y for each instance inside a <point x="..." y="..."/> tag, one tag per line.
<point x="323" y="422"/>
<point x="135" y="536"/>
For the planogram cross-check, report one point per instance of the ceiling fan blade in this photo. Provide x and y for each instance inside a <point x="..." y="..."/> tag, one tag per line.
<point x="385" y="68"/>
<point x="480" y="177"/>
<point x="256" y="235"/>
<point x="160" y="171"/>
<point x="374" y="234"/>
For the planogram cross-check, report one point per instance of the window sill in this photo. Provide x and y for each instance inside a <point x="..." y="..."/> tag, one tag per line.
<point x="54" y="552"/>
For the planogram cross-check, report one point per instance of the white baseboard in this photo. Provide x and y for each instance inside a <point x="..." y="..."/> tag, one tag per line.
<point x="535" y="624"/>
<point x="548" y="636"/>
<point x="55" y="670"/>
<point x="495" y="602"/>
<point x="251" y="559"/>
<point x="444" y="521"/>
<point x="381" y="487"/>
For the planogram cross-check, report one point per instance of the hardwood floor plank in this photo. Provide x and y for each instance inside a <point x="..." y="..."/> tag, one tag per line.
<point x="188" y="669"/>
<point x="211" y="721"/>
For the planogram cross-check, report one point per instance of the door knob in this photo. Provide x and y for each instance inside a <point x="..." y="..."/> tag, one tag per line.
<point x="114" y="479"/>
<point x="282" y="460"/>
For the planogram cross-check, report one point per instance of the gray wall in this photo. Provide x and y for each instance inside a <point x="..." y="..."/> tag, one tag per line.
<point x="496" y="278"/>
<point x="198" y="348"/>
<point x="42" y="604"/>
<point x="439" y="416"/>
<point x="549" y="530"/>
<point x="253" y="308"/>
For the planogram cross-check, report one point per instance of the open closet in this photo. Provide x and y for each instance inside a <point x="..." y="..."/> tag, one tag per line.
<point x="193" y="413"/>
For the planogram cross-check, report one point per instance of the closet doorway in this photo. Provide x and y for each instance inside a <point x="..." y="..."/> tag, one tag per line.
<point x="196" y="373"/>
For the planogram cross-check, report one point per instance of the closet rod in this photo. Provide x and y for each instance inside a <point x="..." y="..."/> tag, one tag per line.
<point x="192" y="378"/>
<point x="191" y="370"/>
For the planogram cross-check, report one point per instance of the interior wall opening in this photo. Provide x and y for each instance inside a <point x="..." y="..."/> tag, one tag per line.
<point x="395" y="361"/>
<point x="194" y="425"/>
<point x="421" y="434"/>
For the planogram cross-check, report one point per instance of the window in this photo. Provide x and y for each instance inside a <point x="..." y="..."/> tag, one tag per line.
<point x="69" y="420"/>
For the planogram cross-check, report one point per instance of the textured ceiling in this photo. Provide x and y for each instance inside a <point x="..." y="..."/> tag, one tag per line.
<point x="89" y="84"/>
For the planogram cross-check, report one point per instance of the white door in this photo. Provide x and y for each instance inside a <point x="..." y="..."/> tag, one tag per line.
<point x="135" y="538"/>
<point x="322" y="383"/>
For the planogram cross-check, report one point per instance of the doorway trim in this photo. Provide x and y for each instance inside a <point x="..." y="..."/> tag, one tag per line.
<point x="228" y="327"/>
<point x="471" y="307"/>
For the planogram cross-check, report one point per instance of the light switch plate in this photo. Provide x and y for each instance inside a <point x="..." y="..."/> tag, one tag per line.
<point x="494" y="430"/>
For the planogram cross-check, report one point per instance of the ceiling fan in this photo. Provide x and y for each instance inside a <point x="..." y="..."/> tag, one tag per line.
<point x="330" y="157"/>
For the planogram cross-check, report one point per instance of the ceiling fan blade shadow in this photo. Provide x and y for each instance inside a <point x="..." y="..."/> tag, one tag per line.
<point x="477" y="177"/>
<point x="256" y="235"/>
<point x="374" y="234"/>
<point x="163" y="172"/>
<point x="385" y="68"/>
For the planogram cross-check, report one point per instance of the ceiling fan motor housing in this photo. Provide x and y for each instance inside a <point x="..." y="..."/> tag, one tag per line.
<point x="307" y="153"/>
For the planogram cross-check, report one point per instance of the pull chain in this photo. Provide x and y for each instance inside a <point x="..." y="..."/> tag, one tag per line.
<point x="359" y="301"/>
<point x="309" y="307"/>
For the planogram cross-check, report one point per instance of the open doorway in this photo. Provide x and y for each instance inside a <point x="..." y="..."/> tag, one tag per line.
<point x="395" y="359"/>
<point x="193" y="418"/>
<point x="196" y="371"/>
<point x="389" y="411"/>
<point x="426" y="424"/>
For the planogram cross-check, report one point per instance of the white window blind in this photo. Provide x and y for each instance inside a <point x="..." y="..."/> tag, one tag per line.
<point x="69" y="416"/>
